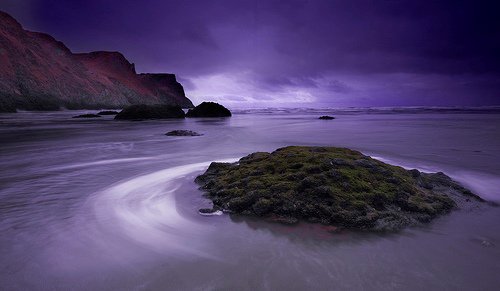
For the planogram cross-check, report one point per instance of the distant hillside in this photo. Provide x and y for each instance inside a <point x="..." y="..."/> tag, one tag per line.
<point x="38" y="72"/>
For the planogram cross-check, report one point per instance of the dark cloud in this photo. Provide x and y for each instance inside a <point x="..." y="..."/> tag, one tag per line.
<point x="324" y="50"/>
<point x="338" y="86"/>
<point x="186" y="83"/>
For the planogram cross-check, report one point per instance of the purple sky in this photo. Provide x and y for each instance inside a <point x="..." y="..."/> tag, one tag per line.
<point x="293" y="53"/>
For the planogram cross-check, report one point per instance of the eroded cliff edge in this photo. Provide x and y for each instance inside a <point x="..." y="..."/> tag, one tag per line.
<point x="37" y="72"/>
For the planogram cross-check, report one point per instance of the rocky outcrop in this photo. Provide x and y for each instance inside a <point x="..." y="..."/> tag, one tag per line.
<point x="108" y="112"/>
<point x="333" y="186"/>
<point x="142" y="112"/>
<point x="41" y="73"/>
<point x="209" y="109"/>
<point x="181" y="132"/>
<point x="164" y="85"/>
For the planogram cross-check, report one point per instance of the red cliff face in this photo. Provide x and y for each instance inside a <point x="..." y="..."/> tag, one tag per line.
<point x="38" y="72"/>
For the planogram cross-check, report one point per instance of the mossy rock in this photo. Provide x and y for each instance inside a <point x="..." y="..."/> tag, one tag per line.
<point x="335" y="186"/>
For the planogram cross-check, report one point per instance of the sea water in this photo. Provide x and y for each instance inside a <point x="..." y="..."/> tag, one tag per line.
<point x="98" y="204"/>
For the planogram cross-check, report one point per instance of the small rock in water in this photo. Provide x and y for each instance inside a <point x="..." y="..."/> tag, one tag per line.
<point x="326" y="117"/>
<point x="87" y="116"/>
<point x="486" y="243"/>
<point x="183" y="133"/>
<point x="209" y="212"/>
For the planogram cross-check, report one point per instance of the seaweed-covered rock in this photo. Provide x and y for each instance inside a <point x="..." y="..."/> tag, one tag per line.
<point x="108" y="112"/>
<point x="209" y="109"/>
<point x="334" y="186"/>
<point x="141" y="112"/>
<point x="181" y="132"/>
<point x="326" y="117"/>
<point x="87" y="116"/>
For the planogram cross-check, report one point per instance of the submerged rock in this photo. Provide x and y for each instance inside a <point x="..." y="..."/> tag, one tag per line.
<point x="87" y="116"/>
<point x="108" y="112"/>
<point x="332" y="186"/>
<point x="141" y="112"/>
<point x="326" y="117"/>
<point x="183" y="133"/>
<point x="209" y="109"/>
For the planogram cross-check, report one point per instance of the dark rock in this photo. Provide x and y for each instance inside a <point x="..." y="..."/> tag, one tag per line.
<point x="141" y="112"/>
<point x="183" y="133"/>
<point x="415" y="173"/>
<point x="108" y="112"/>
<point x="326" y="117"/>
<point x="209" y="109"/>
<point x="87" y="116"/>
<point x="333" y="186"/>
<point x="486" y="243"/>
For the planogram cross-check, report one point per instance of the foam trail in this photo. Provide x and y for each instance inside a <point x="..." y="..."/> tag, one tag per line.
<point x="143" y="210"/>
<point x="102" y="162"/>
<point x="421" y="167"/>
<point x="483" y="184"/>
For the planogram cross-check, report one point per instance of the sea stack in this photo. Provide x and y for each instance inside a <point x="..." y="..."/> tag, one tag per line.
<point x="209" y="109"/>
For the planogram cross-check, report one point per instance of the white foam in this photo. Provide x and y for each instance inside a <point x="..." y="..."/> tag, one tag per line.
<point x="482" y="184"/>
<point x="215" y="213"/>
<point x="102" y="162"/>
<point x="485" y="185"/>
<point x="421" y="167"/>
<point x="143" y="210"/>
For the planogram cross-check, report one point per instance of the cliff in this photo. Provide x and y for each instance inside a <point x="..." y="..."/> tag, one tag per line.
<point x="37" y="72"/>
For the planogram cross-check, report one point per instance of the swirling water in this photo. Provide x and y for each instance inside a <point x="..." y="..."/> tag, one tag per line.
<point x="111" y="205"/>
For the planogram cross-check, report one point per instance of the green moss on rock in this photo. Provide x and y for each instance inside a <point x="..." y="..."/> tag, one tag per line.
<point x="336" y="186"/>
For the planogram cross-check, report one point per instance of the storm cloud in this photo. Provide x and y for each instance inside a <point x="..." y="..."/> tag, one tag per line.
<point x="293" y="53"/>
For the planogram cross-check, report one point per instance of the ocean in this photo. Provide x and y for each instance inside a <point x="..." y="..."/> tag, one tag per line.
<point x="99" y="204"/>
